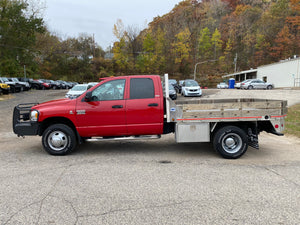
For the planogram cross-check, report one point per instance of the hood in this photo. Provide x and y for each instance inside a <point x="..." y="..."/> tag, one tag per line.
<point x="55" y="103"/>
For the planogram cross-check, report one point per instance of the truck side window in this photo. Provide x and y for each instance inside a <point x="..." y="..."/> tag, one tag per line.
<point x="141" y="88"/>
<point x="111" y="90"/>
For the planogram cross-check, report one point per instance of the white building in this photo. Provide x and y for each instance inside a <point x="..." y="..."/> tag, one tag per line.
<point x="285" y="73"/>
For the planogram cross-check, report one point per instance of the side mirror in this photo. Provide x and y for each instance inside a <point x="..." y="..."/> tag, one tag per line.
<point x="88" y="96"/>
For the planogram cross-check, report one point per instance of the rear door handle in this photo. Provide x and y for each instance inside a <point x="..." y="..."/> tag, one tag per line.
<point x="153" y="104"/>
<point x="117" y="106"/>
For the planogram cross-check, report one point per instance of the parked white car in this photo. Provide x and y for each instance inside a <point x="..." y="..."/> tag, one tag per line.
<point x="191" y="88"/>
<point x="222" y="85"/>
<point x="78" y="90"/>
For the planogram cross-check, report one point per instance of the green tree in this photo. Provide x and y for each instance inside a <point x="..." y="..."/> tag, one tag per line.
<point x="182" y="49"/>
<point x="18" y="29"/>
<point x="216" y="42"/>
<point x="147" y="59"/>
<point x="182" y="46"/>
<point x="205" y="44"/>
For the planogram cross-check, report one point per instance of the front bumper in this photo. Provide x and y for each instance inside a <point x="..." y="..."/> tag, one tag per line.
<point x="21" y="122"/>
<point x="5" y="89"/>
<point x="193" y="92"/>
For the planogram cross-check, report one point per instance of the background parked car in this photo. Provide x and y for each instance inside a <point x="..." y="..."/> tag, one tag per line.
<point x="55" y="85"/>
<point x="45" y="85"/>
<point x="174" y="83"/>
<point x="180" y="85"/>
<point x="172" y="92"/>
<point x="256" y="84"/>
<point x="25" y="86"/>
<point x="79" y="89"/>
<point x="14" y="87"/>
<point x="222" y="85"/>
<point x="36" y="84"/>
<point x="191" y="88"/>
<point x="4" y="88"/>
<point x="92" y="84"/>
<point x="76" y="91"/>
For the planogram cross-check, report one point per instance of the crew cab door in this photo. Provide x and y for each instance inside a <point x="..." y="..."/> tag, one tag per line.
<point x="104" y="113"/>
<point x="144" y="106"/>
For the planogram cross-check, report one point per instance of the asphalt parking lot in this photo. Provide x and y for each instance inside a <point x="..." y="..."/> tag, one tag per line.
<point x="148" y="181"/>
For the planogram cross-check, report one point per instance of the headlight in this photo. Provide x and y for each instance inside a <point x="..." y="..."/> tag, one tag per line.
<point x="34" y="115"/>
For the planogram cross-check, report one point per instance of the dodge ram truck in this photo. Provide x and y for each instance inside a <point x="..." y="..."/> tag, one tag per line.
<point x="135" y="107"/>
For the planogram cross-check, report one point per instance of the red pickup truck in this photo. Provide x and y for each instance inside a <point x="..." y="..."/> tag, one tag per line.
<point x="137" y="106"/>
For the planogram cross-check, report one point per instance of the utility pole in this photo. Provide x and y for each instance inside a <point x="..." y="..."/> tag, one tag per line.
<point x="24" y="71"/>
<point x="235" y="62"/>
<point x="213" y="60"/>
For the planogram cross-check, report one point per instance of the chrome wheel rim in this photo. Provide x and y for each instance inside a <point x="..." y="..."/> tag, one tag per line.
<point x="57" y="140"/>
<point x="232" y="143"/>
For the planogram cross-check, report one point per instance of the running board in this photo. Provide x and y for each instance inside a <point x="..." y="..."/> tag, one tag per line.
<point x="140" y="137"/>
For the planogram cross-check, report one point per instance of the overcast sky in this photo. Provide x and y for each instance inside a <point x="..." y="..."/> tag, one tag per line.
<point x="68" y="18"/>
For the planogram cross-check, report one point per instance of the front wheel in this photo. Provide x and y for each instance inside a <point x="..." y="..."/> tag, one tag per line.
<point x="59" y="139"/>
<point x="230" y="142"/>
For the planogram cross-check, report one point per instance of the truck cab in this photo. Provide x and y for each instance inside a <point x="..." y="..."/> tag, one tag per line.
<point x="116" y="107"/>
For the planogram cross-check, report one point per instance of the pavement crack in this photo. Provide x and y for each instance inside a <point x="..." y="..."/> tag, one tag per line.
<point x="281" y="176"/>
<point x="75" y="211"/>
<point x="134" y="209"/>
<point x="20" y="210"/>
<point x="49" y="193"/>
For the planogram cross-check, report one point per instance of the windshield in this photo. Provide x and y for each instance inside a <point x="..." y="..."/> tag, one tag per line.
<point x="79" y="88"/>
<point x="172" y="81"/>
<point x="171" y="87"/>
<point x="14" y="79"/>
<point x="191" y="83"/>
<point x="5" y="79"/>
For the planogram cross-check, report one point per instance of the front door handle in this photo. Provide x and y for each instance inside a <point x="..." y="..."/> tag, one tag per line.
<point x="153" y="104"/>
<point x="117" y="106"/>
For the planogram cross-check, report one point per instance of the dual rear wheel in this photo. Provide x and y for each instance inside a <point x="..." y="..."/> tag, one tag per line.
<point x="231" y="142"/>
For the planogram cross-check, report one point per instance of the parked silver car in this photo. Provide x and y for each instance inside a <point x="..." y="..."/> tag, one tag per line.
<point x="191" y="88"/>
<point x="256" y="84"/>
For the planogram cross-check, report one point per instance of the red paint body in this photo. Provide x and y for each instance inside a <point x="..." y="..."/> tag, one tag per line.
<point x="119" y="117"/>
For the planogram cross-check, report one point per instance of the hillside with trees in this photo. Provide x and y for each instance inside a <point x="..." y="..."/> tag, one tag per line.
<point x="220" y="36"/>
<point x="229" y="34"/>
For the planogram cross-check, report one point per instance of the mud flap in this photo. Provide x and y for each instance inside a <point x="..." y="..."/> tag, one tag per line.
<point x="253" y="139"/>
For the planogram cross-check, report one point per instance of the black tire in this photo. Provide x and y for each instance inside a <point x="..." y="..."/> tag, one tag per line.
<point x="59" y="139"/>
<point x="230" y="142"/>
<point x="250" y="87"/>
<point x="269" y="87"/>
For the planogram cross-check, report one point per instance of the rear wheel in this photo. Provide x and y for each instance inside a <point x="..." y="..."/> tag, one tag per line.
<point x="230" y="142"/>
<point x="59" y="139"/>
<point x="250" y="87"/>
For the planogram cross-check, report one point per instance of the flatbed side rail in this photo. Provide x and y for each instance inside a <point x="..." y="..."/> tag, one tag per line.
<point x="231" y="109"/>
